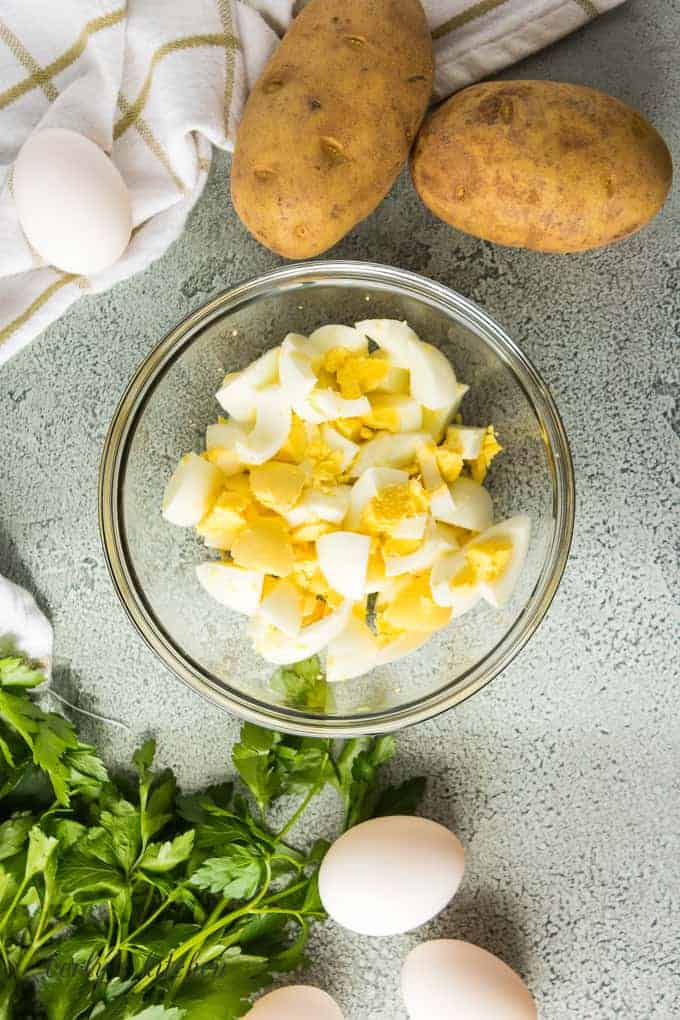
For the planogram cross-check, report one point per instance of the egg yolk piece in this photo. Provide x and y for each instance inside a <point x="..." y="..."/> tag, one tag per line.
<point x="413" y="608"/>
<point x="490" y="449"/>
<point x="295" y="446"/>
<point x="385" y="511"/>
<point x="489" y="558"/>
<point x="355" y="374"/>
<point x="265" y="546"/>
<point x="277" y="486"/>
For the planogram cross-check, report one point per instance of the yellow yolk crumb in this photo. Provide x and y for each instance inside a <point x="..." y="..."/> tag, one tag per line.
<point x="295" y="446"/>
<point x="490" y="448"/>
<point x="224" y="521"/>
<point x="310" y="532"/>
<point x="413" y="608"/>
<point x="400" y="546"/>
<point x="323" y="464"/>
<point x="356" y="374"/>
<point x="266" y="546"/>
<point x="384" y="415"/>
<point x="277" y="486"/>
<point x="390" y="506"/>
<point x="489" y="558"/>
<point x="449" y="462"/>
<point x="353" y="428"/>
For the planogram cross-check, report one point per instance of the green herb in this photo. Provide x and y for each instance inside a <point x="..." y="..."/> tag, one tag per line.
<point x="128" y="900"/>
<point x="303" y="685"/>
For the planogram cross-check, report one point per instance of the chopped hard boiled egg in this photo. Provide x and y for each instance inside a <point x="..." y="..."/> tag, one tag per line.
<point x="191" y="491"/>
<point x="234" y="587"/>
<point x="303" y="549"/>
<point x="343" y="559"/>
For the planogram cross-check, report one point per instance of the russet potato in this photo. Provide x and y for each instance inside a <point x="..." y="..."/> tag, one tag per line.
<point x="541" y="165"/>
<point x="330" y="122"/>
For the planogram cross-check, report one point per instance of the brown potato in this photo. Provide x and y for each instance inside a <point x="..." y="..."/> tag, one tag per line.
<point x="329" y="123"/>
<point x="541" y="165"/>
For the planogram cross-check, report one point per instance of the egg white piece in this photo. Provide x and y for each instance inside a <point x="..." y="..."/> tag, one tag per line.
<point x="433" y="381"/>
<point x="234" y="587"/>
<point x="191" y="491"/>
<point x="410" y="528"/>
<point x="392" y="336"/>
<point x="466" y="440"/>
<point x="316" y="505"/>
<point x="461" y="598"/>
<point x="372" y="481"/>
<point x="390" y="875"/>
<point x="238" y="393"/>
<point x="442" y="506"/>
<point x="296" y="1002"/>
<point x="408" y="411"/>
<point x="353" y="652"/>
<point x="448" y="978"/>
<point x="396" y="380"/>
<point x="296" y="372"/>
<point x="473" y="505"/>
<point x="337" y="442"/>
<point x="223" y="436"/>
<point x="343" y="560"/>
<point x="280" y="649"/>
<point x="282" y="608"/>
<point x="518" y="530"/>
<point x="419" y="560"/>
<point x="273" y="419"/>
<point x="388" y="449"/>
<point x="436" y="421"/>
<point x="72" y="203"/>
<point x="330" y="405"/>
<point x="325" y="338"/>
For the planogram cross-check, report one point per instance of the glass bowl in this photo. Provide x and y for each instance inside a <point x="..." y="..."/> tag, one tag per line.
<point x="164" y="413"/>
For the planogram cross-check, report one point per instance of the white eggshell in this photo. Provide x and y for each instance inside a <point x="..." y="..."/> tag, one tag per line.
<point x="72" y="202"/>
<point x="447" y="979"/>
<point x="233" y="586"/>
<point x="343" y="559"/>
<point x="297" y="1002"/>
<point x="191" y="491"/>
<point x="390" y="875"/>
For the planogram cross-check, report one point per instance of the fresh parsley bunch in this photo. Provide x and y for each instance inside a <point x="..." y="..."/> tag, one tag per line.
<point x="123" y="899"/>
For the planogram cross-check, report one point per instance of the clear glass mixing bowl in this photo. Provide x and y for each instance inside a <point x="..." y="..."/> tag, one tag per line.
<point x="164" y="412"/>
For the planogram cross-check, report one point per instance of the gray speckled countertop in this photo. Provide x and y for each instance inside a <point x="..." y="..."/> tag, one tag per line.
<point x="562" y="777"/>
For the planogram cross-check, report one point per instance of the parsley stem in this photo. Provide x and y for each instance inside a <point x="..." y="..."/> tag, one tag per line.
<point x="150" y="919"/>
<point x="313" y="790"/>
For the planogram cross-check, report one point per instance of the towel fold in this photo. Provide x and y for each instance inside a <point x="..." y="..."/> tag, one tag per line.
<point x="157" y="83"/>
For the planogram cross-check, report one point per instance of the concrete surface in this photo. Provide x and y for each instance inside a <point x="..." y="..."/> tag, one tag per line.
<point x="561" y="778"/>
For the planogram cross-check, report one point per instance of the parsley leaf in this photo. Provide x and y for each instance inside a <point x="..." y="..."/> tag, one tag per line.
<point x="166" y="856"/>
<point x="236" y="875"/>
<point x="302" y="685"/>
<point x="17" y="672"/>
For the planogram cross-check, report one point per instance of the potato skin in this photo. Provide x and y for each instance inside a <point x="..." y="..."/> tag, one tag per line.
<point x="541" y="165"/>
<point x="329" y="123"/>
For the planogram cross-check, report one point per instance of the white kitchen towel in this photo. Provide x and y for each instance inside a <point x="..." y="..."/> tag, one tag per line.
<point x="23" y="627"/>
<point x="157" y="83"/>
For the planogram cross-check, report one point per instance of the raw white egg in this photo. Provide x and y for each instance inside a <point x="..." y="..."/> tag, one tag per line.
<point x="239" y="390"/>
<point x="295" y="367"/>
<point x="234" y="587"/>
<point x="191" y="491"/>
<point x="371" y="482"/>
<point x="390" y="875"/>
<point x="281" y="649"/>
<point x="343" y="559"/>
<point x="447" y="979"/>
<point x="72" y="202"/>
<point x="282" y="607"/>
<point x="273" y="419"/>
<point x="473" y="505"/>
<point x="297" y="1002"/>
<point x="388" y="449"/>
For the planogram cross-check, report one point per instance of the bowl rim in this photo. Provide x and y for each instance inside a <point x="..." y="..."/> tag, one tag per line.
<point x="151" y="370"/>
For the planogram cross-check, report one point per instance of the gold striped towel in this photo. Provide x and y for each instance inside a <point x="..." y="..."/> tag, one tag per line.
<point x="157" y="84"/>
